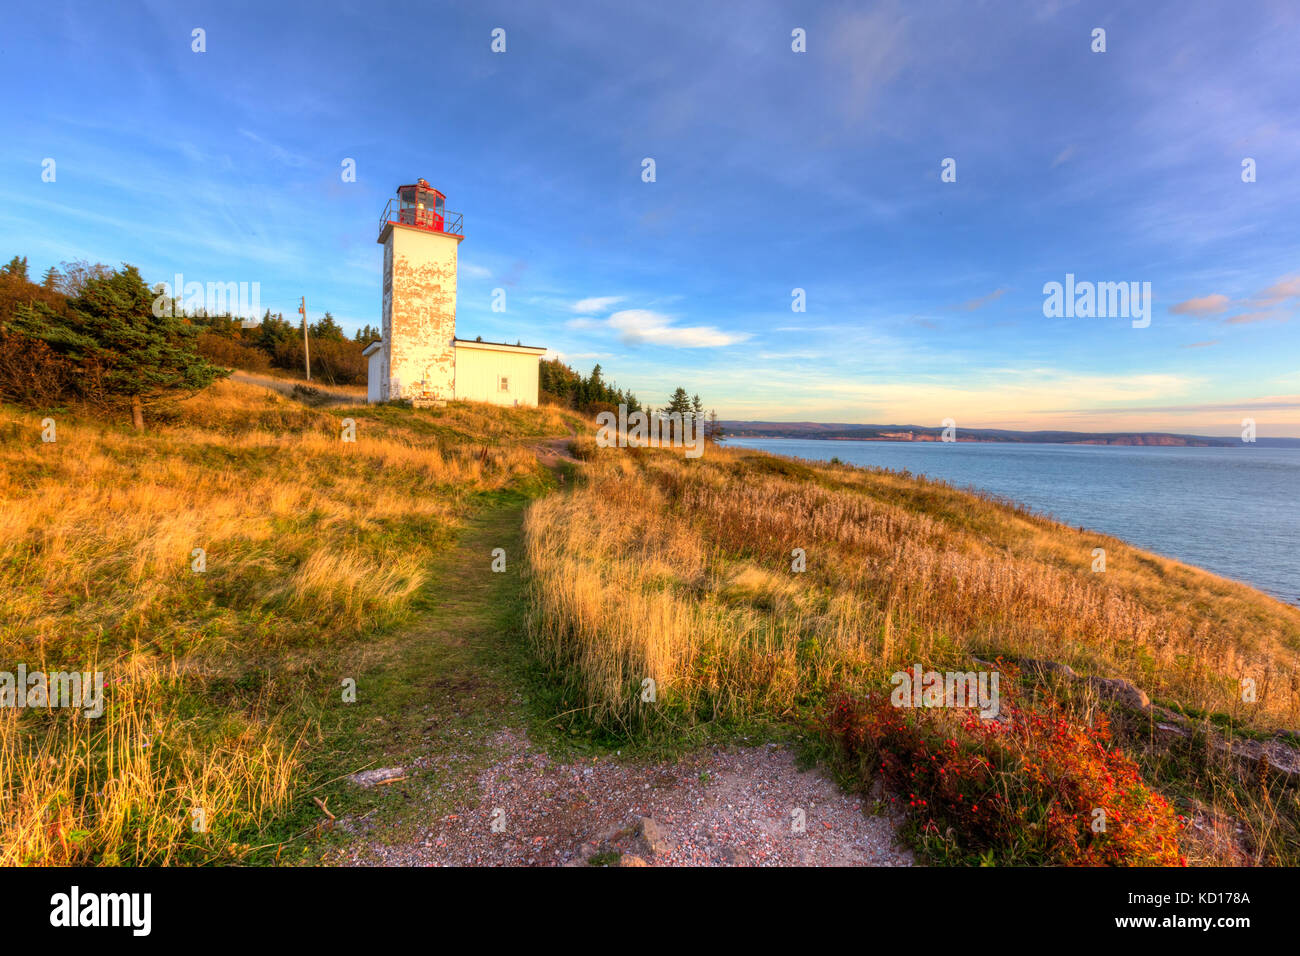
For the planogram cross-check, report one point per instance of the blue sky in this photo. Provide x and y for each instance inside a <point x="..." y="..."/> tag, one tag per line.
<point x="774" y="170"/>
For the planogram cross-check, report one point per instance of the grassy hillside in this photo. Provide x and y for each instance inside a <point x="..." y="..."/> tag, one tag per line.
<point x="681" y="572"/>
<point x="314" y="546"/>
<point x="328" y="560"/>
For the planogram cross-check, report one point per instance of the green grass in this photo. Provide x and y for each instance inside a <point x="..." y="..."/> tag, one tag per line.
<point x="437" y="689"/>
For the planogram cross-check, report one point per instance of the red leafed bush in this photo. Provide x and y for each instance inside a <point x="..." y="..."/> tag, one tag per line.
<point x="1023" y="790"/>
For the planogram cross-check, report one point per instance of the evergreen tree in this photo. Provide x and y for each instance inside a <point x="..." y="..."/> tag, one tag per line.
<point x="714" y="430"/>
<point x="558" y="383"/>
<point x="679" y="403"/>
<point x="111" y="332"/>
<point x="16" y="268"/>
<point x="274" y="330"/>
<point x="327" y="330"/>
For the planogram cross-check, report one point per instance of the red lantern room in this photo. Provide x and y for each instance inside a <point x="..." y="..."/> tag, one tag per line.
<point x="422" y="206"/>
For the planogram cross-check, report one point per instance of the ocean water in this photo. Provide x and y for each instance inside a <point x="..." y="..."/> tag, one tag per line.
<point x="1234" y="511"/>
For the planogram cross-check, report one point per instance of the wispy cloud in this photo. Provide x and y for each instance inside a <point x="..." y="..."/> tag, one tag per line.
<point x="1247" y="318"/>
<point x="1280" y="291"/>
<point x="868" y="49"/>
<point x="1269" y="304"/>
<point x="598" y="303"/>
<point x="983" y="300"/>
<point x="277" y="152"/>
<point x="1206" y="305"/>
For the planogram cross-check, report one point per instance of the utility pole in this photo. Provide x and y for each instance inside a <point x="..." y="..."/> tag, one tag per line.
<point x="306" y="344"/>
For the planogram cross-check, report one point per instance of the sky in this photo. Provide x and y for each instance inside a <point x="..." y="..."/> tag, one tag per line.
<point x="774" y="170"/>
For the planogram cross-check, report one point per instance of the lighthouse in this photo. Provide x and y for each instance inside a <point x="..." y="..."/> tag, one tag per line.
<point x="419" y="357"/>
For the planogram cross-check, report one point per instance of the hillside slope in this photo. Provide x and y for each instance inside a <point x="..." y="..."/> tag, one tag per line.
<point x="749" y="588"/>
<point x="221" y="662"/>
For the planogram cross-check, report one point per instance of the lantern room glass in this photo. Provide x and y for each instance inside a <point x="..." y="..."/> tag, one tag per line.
<point x="420" y="205"/>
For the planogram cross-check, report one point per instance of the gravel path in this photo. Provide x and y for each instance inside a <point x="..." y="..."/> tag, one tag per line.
<point x="735" y="807"/>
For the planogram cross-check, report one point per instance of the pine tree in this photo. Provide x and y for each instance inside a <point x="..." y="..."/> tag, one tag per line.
<point x="679" y="403"/>
<point x="274" y="330"/>
<point x="327" y="330"/>
<point x="111" y="329"/>
<point x="16" y="268"/>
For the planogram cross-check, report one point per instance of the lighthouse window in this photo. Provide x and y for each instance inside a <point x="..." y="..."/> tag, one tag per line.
<point x="504" y="383"/>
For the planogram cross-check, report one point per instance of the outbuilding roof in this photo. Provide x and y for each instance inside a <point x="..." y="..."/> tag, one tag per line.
<point x="498" y="346"/>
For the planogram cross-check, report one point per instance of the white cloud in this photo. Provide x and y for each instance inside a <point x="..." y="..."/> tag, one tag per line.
<point x="638" y="326"/>
<point x="597" y="303"/>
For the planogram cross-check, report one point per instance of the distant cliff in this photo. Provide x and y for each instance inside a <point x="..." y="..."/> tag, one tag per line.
<point x="838" y="432"/>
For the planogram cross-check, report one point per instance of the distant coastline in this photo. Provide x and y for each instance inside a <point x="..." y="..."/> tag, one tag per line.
<point x="922" y="433"/>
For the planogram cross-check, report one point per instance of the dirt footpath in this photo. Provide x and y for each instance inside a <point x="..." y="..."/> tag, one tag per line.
<point x="736" y="807"/>
<point x="473" y="790"/>
<point x="328" y="395"/>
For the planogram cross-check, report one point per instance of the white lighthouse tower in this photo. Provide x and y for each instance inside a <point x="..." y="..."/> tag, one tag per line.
<point x="419" y="357"/>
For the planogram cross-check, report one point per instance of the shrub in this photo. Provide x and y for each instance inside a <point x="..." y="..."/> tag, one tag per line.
<point x="1024" y="789"/>
<point x="332" y="362"/>
<point x="583" y="448"/>
<point x="32" y="373"/>
<point x="231" y="353"/>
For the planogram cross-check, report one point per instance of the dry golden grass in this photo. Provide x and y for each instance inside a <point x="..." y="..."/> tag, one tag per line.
<point x="310" y="542"/>
<point x="142" y="784"/>
<point x="680" y="571"/>
<point x="294" y="521"/>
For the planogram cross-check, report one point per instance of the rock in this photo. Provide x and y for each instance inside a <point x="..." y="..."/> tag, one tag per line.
<point x="655" y="837"/>
<point x="736" y="856"/>
<point x="1043" y="668"/>
<point x="1278" y="757"/>
<point x="616" y="834"/>
<point x="374" y="778"/>
<point x="631" y="859"/>
<point x="1121" y="691"/>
